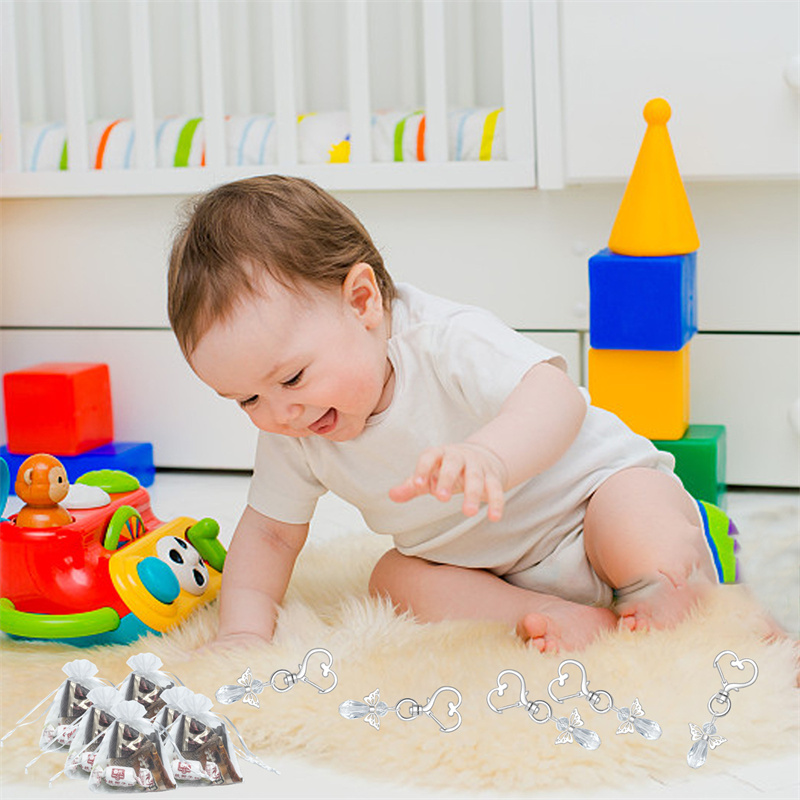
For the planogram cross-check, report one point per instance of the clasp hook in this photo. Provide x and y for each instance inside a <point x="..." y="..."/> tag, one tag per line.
<point x="290" y="678"/>
<point x="501" y="688"/>
<point x="720" y="704"/>
<point x="594" y="698"/>
<point x="416" y="709"/>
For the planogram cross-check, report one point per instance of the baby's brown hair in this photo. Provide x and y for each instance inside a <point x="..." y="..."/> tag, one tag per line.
<point x="286" y="227"/>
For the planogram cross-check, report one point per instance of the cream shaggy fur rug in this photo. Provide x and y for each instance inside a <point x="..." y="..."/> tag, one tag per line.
<point x="327" y="606"/>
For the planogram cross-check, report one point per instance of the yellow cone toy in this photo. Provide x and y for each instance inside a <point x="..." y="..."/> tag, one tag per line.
<point x="654" y="218"/>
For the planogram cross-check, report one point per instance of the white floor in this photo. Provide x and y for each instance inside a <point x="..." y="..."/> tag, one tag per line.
<point x="769" y="524"/>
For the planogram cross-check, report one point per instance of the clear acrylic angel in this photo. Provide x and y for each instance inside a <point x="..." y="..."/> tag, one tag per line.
<point x="572" y="731"/>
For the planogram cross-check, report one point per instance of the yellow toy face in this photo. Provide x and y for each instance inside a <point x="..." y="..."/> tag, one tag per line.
<point x="161" y="577"/>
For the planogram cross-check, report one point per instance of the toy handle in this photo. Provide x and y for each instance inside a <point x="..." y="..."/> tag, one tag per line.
<point x="55" y="626"/>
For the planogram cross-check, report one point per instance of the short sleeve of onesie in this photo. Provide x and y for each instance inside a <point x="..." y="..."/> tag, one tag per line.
<point x="480" y="360"/>
<point x="283" y="486"/>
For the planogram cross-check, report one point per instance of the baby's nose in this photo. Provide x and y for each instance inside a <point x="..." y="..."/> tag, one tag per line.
<point x="289" y="413"/>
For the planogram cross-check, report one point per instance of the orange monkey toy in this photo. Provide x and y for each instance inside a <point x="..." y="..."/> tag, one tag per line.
<point x="42" y="483"/>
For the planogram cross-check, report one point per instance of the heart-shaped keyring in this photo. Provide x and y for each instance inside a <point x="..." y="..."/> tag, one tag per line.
<point x="739" y="663"/>
<point x="501" y="689"/>
<point x="415" y="709"/>
<point x="594" y="698"/>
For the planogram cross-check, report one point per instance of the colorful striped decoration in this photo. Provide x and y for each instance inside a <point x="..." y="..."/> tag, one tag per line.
<point x="474" y="134"/>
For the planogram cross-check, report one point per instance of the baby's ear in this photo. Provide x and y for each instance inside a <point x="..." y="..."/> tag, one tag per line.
<point x="361" y="293"/>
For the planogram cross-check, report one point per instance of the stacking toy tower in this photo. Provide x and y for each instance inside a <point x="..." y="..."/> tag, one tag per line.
<point x="643" y="313"/>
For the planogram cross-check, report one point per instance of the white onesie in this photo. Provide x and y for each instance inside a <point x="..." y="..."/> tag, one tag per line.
<point x="454" y="367"/>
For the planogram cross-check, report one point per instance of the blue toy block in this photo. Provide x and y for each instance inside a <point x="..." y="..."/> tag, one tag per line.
<point x="133" y="457"/>
<point x="642" y="302"/>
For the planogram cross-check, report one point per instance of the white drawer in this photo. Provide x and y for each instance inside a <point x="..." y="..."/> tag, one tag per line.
<point x="750" y="384"/>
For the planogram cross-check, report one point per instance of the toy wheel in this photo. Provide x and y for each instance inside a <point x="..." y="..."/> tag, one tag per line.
<point x="125" y="526"/>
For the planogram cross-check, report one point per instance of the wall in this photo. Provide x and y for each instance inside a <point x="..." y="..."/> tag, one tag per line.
<point x="84" y="279"/>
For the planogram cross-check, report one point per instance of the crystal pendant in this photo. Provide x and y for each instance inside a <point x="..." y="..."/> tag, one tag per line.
<point x="698" y="753"/>
<point x="703" y="738"/>
<point x="571" y="731"/>
<point x="229" y="694"/>
<point x="647" y="728"/>
<point x="633" y="719"/>
<point x="355" y="709"/>
<point x="586" y="739"/>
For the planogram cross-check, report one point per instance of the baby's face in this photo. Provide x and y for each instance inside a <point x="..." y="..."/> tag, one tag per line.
<point x="310" y="364"/>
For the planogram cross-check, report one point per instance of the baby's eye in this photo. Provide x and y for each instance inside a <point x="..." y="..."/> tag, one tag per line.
<point x="294" y="380"/>
<point x="248" y="402"/>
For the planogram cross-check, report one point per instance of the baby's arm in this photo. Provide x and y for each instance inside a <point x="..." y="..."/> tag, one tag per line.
<point x="257" y="570"/>
<point x="535" y="427"/>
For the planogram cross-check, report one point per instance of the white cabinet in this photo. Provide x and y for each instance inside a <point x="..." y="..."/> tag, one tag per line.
<point x="749" y="383"/>
<point x="725" y="66"/>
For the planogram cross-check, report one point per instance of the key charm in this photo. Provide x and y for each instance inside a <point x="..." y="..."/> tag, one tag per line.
<point x="719" y="705"/>
<point x="632" y="719"/>
<point x="570" y="728"/>
<point x="247" y="687"/>
<point x="373" y="709"/>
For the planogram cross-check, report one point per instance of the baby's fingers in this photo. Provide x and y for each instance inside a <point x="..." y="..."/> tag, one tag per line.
<point x="451" y="471"/>
<point x="423" y="479"/>
<point x="474" y="481"/>
<point x="495" y="498"/>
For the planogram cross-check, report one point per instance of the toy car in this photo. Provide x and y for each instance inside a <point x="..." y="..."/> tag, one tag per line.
<point x="110" y="575"/>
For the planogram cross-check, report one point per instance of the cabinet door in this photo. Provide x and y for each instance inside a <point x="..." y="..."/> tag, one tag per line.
<point x="724" y="65"/>
<point x="750" y="384"/>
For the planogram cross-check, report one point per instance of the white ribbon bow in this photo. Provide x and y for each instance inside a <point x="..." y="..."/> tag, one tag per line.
<point x="79" y="670"/>
<point x="132" y="713"/>
<point x="177" y="697"/>
<point x="149" y="666"/>
<point x="105" y="697"/>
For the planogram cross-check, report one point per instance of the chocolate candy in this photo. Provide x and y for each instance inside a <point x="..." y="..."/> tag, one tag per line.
<point x="121" y="776"/>
<point x="86" y="761"/>
<point x="64" y="734"/>
<point x="128" y="777"/>
<point x="189" y="771"/>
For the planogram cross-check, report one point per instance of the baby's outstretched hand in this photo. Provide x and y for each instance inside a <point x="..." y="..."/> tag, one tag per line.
<point x="469" y="468"/>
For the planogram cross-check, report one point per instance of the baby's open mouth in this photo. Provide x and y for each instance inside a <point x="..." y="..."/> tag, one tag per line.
<point x="326" y="423"/>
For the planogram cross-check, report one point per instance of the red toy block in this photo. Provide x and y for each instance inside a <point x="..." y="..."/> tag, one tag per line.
<point x="63" y="409"/>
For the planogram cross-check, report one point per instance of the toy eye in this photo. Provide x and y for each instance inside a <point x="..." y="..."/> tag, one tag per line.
<point x="185" y="563"/>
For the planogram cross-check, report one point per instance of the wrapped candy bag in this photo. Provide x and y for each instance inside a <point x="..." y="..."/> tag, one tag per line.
<point x="174" y="700"/>
<point x="205" y="751"/>
<point x="70" y="701"/>
<point x="146" y="682"/>
<point x="131" y="756"/>
<point x="91" y="727"/>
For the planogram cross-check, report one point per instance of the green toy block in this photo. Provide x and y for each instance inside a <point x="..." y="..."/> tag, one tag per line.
<point x="700" y="461"/>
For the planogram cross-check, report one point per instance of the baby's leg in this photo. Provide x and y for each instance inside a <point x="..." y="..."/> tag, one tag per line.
<point x="644" y="537"/>
<point x="435" y="592"/>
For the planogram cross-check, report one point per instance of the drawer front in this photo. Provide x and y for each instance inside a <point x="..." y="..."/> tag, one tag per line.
<point x="750" y="384"/>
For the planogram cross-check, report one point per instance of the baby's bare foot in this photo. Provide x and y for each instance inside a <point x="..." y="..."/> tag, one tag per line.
<point x="563" y="625"/>
<point x="662" y="602"/>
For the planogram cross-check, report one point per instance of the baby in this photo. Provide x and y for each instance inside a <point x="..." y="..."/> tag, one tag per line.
<point x="507" y="495"/>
